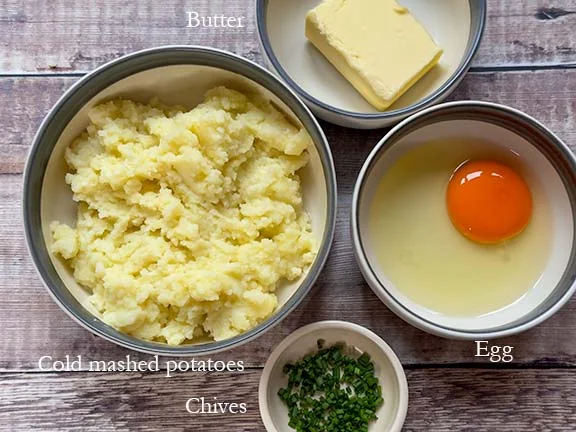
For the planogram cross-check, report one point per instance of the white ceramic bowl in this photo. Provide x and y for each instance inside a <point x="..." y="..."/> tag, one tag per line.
<point x="176" y="75"/>
<point x="547" y="164"/>
<point x="456" y="25"/>
<point x="388" y="369"/>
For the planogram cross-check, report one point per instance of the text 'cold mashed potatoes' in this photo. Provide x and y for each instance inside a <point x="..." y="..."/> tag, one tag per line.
<point x="187" y="220"/>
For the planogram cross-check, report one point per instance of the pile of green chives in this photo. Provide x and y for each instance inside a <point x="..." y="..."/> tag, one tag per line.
<point x="331" y="391"/>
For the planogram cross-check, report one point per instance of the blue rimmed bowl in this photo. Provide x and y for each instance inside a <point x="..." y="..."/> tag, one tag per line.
<point x="549" y="167"/>
<point x="176" y="75"/>
<point x="456" y="25"/>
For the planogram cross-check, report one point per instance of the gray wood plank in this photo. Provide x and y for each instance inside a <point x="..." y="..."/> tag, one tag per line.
<point x="32" y="325"/>
<point x="529" y="33"/>
<point x="441" y="400"/>
<point x="548" y="95"/>
<point x="23" y="104"/>
<point x="65" y="38"/>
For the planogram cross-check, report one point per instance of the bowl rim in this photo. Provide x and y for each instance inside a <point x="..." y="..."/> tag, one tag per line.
<point x="550" y="305"/>
<point x="92" y="84"/>
<point x="474" y="42"/>
<point x="403" y="394"/>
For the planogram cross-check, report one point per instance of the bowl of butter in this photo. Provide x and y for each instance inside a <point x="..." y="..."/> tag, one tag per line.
<point x="368" y="64"/>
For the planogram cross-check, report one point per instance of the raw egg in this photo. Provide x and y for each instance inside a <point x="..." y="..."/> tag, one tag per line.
<point x="427" y="260"/>
<point x="488" y="202"/>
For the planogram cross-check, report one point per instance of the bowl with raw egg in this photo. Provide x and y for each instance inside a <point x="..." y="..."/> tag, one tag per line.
<point x="368" y="64"/>
<point x="179" y="200"/>
<point x="463" y="220"/>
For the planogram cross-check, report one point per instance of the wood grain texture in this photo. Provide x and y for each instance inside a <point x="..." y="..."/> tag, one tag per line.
<point x="68" y="38"/>
<point x="32" y="325"/>
<point x="44" y="46"/>
<point x="23" y="104"/>
<point x="61" y="37"/>
<point x="548" y="95"/>
<point x="441" y="400"/>
<point x="529" y="33"/>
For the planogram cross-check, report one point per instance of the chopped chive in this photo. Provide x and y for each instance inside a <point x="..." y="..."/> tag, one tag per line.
<point x="331" y="391"/>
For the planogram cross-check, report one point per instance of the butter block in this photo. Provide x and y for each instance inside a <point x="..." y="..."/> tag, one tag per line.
<point x="376" y="44"/>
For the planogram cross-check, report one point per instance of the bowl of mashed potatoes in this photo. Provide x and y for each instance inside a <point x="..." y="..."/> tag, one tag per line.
<point x="179" y="201"/>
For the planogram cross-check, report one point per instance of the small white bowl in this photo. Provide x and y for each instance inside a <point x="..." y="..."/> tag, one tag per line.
<point x="548" y="164"/>
<point x="388" y="369"/>
<point x="456" y="25"/>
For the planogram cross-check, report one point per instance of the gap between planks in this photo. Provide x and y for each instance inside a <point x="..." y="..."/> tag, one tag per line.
<point x="407" y="367"/>
<point x="473" y="69"/>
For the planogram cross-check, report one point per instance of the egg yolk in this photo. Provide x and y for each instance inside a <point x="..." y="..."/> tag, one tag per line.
<point x="488" y="202"/>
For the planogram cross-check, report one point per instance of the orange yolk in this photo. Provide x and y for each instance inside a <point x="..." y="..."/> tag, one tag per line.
<point x="488" y="202"/>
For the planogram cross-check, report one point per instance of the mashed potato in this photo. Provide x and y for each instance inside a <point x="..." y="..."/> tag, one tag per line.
<point x="187" y="220"/>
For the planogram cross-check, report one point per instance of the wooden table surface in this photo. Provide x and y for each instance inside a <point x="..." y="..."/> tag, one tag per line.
<point x="527" y="60"/>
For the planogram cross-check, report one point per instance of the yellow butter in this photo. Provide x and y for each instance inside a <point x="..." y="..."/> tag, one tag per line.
<point x="376" y="44"/>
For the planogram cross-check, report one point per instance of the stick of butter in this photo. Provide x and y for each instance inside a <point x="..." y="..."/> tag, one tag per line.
<point x="376" y="44"/>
